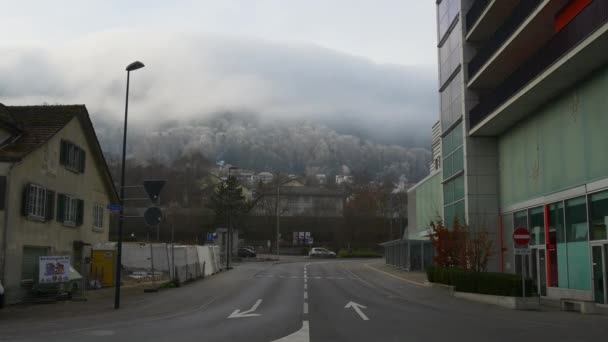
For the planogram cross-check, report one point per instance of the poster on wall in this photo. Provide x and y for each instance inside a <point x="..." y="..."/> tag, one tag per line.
<point x="54" y="269"/>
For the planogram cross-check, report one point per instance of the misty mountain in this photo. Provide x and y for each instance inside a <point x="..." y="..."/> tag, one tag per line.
<point x="251" y="141"/>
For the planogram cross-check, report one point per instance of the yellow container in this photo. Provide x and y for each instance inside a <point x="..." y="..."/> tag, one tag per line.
<point x="102" y="267"/>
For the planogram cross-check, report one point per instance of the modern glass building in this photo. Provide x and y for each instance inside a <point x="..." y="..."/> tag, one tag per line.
<point x="523" y="90"/>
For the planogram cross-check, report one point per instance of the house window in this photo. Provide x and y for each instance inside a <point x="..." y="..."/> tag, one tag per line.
<point x="38" y="202"/>
<point x="98" y="216"/>
<point x="72" y="156"/>
<point x="70" y="210"/>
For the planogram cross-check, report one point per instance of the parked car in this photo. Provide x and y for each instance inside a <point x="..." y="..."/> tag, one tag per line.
<point x="319" y="252"/>
<point x="246" y="253"/>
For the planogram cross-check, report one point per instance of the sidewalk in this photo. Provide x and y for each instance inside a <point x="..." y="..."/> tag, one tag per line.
<point x="95" y="301"/>
<point x="413" y="277"/>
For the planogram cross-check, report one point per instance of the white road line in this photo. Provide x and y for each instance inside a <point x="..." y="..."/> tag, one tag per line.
<point x="302" y="335"/>
<point x="317" y="277"/>
<point x="305" y="286"/>
<point x="305" y="308"/>
<point x="305" y="295"/>
<point x="293" y="277"/>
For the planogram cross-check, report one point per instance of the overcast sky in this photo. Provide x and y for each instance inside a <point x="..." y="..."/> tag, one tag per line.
<point x="317" y="58"/>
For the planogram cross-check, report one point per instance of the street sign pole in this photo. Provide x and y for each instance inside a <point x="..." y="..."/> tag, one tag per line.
<point x="521" y="238"/>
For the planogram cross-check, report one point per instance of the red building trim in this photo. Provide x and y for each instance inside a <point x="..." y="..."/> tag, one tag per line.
<point x="571" y="10"/>
<point x="547" y="247"/>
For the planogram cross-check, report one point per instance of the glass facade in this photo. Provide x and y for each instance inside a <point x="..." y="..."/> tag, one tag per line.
<point x="451" y="101"/>
<point x="537" y="226"/>
<point x="449" y="54"/>
<point x="453" y="199"/>
<point x="446" y="14"/>
<point x="452" y="152"/>
<point x="599" y="215"/>
<point x="577" y="245"/>
<point x="557" y="241"/>
<point x="507" y="243"/>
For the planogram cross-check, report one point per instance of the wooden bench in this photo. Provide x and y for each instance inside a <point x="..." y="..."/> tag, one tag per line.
<point x="582" y="306"/>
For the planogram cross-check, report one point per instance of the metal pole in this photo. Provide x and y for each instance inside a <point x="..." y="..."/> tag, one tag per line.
<point x="523" y="276"/>
<point x="151" y="258"/>
<point x="277" y="214"/>
<point x="122" y="195"/>
<point x="172" y="253"/>
<point x="229" y="234"/>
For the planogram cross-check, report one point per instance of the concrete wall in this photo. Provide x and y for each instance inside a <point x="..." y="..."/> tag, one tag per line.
<point x="42" y="167"/>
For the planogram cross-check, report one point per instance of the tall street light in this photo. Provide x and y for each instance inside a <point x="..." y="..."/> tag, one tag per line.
<point x="229" y="239"/>
<point x="131" y="67"/>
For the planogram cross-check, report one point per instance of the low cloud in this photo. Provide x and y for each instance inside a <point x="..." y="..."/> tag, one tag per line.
<point x="195" y="75"/>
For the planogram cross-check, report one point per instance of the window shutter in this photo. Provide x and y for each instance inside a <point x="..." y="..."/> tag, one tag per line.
<point x="80" y="212"/>
<point x="82" y="160"/>
<point x="25" y="206"/>
<point x="63" y="152"/>
<point x="60" y="207"/>
<point x="50" y="205"/>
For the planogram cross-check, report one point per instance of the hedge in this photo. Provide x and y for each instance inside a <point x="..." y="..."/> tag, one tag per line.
<point x="491" y="283"/>
<point x="358" y="253"/>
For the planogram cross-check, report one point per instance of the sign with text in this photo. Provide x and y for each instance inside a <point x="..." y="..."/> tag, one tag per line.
<point x="54" y="269"/>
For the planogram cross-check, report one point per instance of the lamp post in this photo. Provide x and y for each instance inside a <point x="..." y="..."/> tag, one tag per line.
<point x="229" y="239"/>
<point x="131" y="67"/>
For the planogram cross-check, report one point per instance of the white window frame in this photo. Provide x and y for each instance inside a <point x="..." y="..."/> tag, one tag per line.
<point x="98" y="217"/>
<point x="70" y="211"/>
<point x="37" y="202"/>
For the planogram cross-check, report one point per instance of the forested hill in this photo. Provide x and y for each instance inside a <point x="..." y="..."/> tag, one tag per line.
<point x="246" y="140"/>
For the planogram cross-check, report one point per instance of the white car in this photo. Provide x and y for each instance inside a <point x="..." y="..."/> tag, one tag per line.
<point x="318" y="252"/>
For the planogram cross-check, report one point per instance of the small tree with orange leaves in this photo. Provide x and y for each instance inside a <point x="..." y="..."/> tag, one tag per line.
<point x="459" y="247"/>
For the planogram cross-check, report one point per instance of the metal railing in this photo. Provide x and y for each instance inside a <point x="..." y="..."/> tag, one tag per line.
<point x="520" y="13"/>
<point x="584" y="24"/>
<point x="475" y="12"/>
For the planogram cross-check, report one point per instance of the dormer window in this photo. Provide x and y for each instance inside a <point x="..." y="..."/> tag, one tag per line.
<point x="72" y="156"/>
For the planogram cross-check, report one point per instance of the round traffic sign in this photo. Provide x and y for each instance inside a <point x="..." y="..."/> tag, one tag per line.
<point x="521" y="236"/>
<point x="152" y="216"/>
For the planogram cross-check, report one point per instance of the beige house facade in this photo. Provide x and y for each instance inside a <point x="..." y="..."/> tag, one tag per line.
<point x="56" y="187"/>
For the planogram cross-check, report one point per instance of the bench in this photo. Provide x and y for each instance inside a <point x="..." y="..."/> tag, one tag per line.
<point x="582" y="306"/>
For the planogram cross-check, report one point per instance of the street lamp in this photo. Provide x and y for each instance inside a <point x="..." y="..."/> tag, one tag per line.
<point x="131" y="67"/>
<point x="229" y="239"/>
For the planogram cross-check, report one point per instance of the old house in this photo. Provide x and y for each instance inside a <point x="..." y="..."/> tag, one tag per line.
<point x="54" y="188"/>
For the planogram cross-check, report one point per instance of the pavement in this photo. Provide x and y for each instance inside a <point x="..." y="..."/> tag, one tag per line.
<point x="300" y="301"/>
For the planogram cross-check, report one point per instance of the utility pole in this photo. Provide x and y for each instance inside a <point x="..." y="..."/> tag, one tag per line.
<point x="277" y="215"/>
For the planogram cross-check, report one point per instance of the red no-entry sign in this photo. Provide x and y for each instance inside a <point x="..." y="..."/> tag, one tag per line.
<point x="521" y="236"/>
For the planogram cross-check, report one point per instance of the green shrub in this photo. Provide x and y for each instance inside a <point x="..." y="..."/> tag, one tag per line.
<point x="358" y="253"/>
<point x="500" y="284"/>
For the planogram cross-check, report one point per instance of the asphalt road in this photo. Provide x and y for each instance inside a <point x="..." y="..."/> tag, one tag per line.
<point x="305" y="301"/>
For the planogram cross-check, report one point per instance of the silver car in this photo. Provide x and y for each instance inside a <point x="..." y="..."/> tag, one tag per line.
<point x="319" y="252"/>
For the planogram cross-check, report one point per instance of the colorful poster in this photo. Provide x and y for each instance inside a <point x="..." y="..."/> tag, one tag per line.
<point x="54" y="269"/>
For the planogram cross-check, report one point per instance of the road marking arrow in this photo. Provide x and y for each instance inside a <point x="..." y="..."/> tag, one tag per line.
<point x="238" y="314"/>
<point x="357" y="307"/>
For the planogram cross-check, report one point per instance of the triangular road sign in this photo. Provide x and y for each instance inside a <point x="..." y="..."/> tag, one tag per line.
<point x="153" y="188"/>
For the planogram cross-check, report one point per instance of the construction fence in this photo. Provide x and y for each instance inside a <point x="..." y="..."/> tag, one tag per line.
<point x="167" y="261"/>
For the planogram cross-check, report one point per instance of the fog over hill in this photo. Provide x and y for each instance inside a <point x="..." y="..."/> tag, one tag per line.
<point x="246" y="140"/>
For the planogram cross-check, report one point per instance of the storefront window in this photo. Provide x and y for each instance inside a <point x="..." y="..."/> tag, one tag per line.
<point x="520" y="220"/>
<point x="599" y="216"/>
<point x="537" y="226"/>
<point x="579" y="276"/>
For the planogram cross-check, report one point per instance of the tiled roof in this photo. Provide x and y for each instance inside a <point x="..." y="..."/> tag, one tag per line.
<point x="35" y="125"/>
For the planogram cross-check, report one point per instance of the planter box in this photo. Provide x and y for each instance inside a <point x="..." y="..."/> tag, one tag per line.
<point x="516" y="303"/>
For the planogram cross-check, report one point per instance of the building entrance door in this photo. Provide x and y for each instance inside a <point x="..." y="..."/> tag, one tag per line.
<point x="599" y="254"/>
<point x="538" y="269"/>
